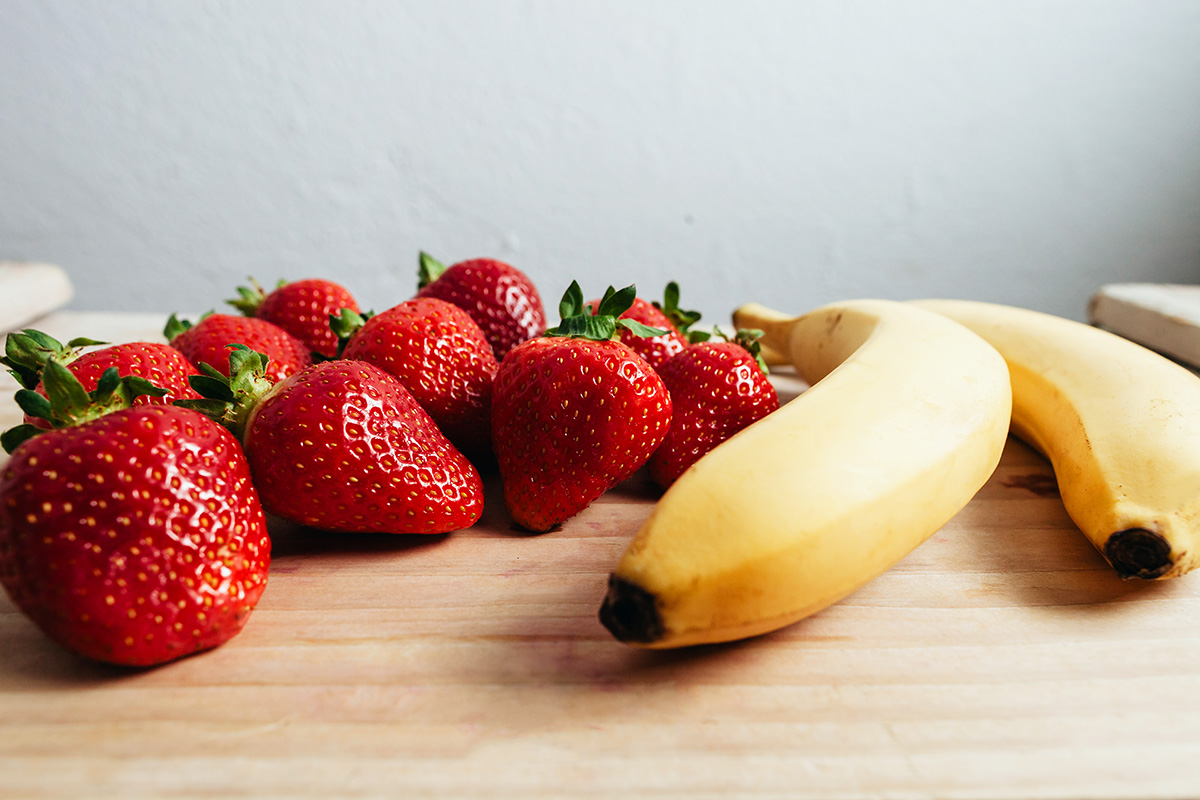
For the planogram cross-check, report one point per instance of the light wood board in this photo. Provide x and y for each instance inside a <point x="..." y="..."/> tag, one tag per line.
<point x="1003" y="658"/>
<point x="29" y="290"/>
<point x="1164" y="317"/>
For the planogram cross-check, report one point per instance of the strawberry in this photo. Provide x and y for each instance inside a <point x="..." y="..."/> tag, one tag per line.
<point x="666" y="316"/>
<point x="717" y="388"/>
<point x="208" y="342"/>
<point x="342" y="445"/>
<point x="440" y="355"/>
<point x="499" y="297"/>
<point x="575" y="412"/>
<point x="302" y="308"/>
<point x="133" y="536"/>
<point x="26" y="354"/>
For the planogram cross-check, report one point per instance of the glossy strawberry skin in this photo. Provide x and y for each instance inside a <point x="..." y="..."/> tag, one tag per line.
<point x="302" y="308"/>
<point x="343" y="446"/>
<point x="208" y="342"/>
<point x="162" y="365"/>
<point x="499" y="297"/>
<point x="570" y="419"/>
<point x="444" y="360"/>
<point x="717" y="388"/>
<point x="655" y="349"/>
<point x="133" y="539"/>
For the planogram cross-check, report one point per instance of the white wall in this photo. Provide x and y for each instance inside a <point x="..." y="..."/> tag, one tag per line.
<point x="786" y="152"/>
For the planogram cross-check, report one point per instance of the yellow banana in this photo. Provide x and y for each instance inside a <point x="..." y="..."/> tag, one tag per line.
<point x="905" y="419"/>
<point x="1119" y="423"/>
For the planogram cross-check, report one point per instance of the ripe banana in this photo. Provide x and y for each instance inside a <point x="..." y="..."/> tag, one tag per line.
<point x="905" y="419"/>
<point x="1119" y="423"/>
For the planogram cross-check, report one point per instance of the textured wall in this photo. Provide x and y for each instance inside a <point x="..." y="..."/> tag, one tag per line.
<point x="786" y="152"/>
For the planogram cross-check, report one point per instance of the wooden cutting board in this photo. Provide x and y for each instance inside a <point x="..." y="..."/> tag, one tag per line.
<point x="1003" y="658"/>
<point x="1162" y="316"/>
<point x="29" y="290"/>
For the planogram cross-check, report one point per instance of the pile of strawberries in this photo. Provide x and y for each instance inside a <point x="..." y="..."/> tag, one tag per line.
<point x="133" y="508"/>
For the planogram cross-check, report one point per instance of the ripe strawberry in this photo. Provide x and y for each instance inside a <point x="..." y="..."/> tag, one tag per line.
<point x="575" y="412"/>
<point x="440" y="355"/>
<point x="717" y="388"/>
<point x="302" y="308"/>
<point x="27" y="353"/>
<point x="500" y="298"/>
<point x="667" y="316"/>
<point x="343" y="446"/>
<point x="161" y="364"/>
<point x="208" y="341"/>
<point x="133" y="537"/>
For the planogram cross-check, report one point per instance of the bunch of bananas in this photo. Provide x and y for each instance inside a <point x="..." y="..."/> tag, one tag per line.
<point x="908" y="412"/>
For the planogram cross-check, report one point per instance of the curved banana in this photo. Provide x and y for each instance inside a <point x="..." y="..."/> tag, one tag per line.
<point x="1119" y="423"/>
<point x="905" y="419"/>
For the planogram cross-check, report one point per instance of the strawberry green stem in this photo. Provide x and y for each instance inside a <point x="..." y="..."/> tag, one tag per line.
<point x="578" y="322"/>
<point x="345" y="324"/>
<point x="429" y="269"/>
<point x="67" y="403"/>
<point x="249" y="298"/>
<point x="176" y="326"/>
<point x="27" y="352"/>
<point x="746" y="338"/>
<point x="682" y="319"/>
<point x="231" y="401"/>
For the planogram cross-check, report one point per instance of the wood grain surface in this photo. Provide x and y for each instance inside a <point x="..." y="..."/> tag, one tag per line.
<point x="28" y="290"/>
<point x="1003" y="658"/>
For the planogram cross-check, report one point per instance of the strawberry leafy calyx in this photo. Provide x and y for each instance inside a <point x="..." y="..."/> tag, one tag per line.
<point x="578" y="322"/>
<point x="344" y="325"/>
<point x="429" y="269"/>
<point x="230" y="401"/>
<point x="682" y="319"/>
<point x="27" y="352"/>
<point x="66" y="403"/>
<point x="746" y="338"/>
<point x="251" y="297"/>
<point x="175" y="326"/>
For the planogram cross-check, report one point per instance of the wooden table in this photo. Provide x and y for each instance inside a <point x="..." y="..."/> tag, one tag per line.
<point x="1001" y="659"/>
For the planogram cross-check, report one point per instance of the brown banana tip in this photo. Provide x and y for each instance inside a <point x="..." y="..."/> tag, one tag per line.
<point x="631" y="613"/>
<point x="1138" y="553"/>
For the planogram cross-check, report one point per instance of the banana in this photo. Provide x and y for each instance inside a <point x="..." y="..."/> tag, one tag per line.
<point x="1119" y="423"/>
<point x="905" y="420"/>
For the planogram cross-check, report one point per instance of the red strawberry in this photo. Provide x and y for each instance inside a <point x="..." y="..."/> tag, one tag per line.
<point x="26" y="354"/>
<point x="440" y="355"/>
<point x="343" y="446"/>
<point x="134" y="537"/>
<point x="302" y="308"/>
<point x="208" y="341"/>
<point x="164" y="366"/>
<point x="500" y="298"/>
<point x="656" y="349"/>
<point x="575" y="412"/>
<point x="717" y="388"/>
<point x="161" y="364"/>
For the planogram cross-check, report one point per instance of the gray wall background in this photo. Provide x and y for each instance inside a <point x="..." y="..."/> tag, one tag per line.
<point x="787" y="152"/>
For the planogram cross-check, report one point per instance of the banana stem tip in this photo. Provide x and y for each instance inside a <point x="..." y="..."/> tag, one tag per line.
<point x="1138" y="553"/>
<point x="631" y="613"/>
